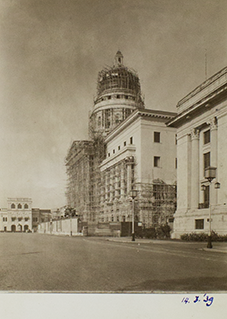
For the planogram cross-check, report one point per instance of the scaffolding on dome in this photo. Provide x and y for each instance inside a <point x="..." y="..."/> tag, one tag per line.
<point x="117" y="79"/>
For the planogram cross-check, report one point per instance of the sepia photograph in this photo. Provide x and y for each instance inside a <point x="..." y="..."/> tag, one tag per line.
<point x="113" y="158"/>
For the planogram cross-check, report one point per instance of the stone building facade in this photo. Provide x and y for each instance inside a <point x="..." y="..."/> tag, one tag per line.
<point x="137" y="159"/>
<point x="18" y="216"/>
<point x="201" y="143"/>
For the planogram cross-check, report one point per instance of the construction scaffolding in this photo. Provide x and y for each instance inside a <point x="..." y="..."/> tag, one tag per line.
<point x="118" y="95"/>
<point x="155" y="202"/>
<point x="100" y="193"/>
<point x="83" y="185"/>
<point x="78" y="171"/>
<point x="119" y="79"/>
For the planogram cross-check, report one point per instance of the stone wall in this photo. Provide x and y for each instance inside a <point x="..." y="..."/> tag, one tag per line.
<point x="60" y="227"/>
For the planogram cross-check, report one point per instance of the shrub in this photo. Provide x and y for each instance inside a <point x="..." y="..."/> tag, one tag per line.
<point x="150" y="233"/>
<point x="160" y="232"/>
<point x="203" y="237"/>
<point x="165" y="231"/>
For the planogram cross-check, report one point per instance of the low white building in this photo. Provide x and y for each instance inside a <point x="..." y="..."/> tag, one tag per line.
<point x="201" y="143"/>
<point x="18" y="216"/>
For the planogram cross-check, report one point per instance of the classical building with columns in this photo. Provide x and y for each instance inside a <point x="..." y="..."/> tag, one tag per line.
<point x="201" y="143"/>
<point x="130" y="147"/>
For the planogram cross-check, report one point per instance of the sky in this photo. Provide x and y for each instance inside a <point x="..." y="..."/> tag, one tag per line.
<point x="50" y="54"/>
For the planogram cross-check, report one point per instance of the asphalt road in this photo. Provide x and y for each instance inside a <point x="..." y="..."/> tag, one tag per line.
<point x="35" y="262"/>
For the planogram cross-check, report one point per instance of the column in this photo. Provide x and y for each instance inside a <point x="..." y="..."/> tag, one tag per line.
<point x="129" y="177"/>
<point x="111" y="184"/>
<point x="213" y="142"/>
<point x="106" y="185"/>
<point x="195" y="185"/>
<point x="102" y="193"/>
<point x="213" y="160"/>
<point x="117" y="179"/>
<point x="122" y="181"/>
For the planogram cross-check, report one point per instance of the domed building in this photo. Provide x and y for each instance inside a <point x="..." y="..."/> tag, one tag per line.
<point x="118" y="95"/>
<point x="130" y="148"/>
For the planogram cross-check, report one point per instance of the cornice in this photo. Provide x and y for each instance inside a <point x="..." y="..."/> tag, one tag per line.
<point x="109" y="161"/>
<point x="202" y="86"/>
<point x="207" y="103"/>
<point x="139" y="113"/>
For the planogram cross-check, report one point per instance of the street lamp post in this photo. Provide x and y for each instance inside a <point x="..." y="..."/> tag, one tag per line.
<point x="133" y="194"/>
<point x="210" y="174"/>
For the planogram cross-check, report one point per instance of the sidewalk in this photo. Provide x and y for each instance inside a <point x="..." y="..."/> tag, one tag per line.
<point x="217" y="246"/>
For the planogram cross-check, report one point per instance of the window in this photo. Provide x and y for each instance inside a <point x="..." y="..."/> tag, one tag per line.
<point x="124" y="143"/>
<point x="26" y="206"/>
<point x="206" y="193"/>
<point x="131" y="140"/>
<point x="206" y="160"/>
<point x="113" y="151"/>
<point x="118" y="96"/>
<point x="13" y="206"/>
<point x="108" y="154"/>
<point x="26" y="219"/>
<point x="119" y="148"/>
<point x="176" y="139"/>
<point x="35" y="219"/>
<point x="206" y="137"/>
<point x="107" y="118"/>
<point x="157" y="137"/>
<point x="19" y="206"/>
<point x="112" y="218"/>
<point x="117" y="118"/>
<point x="5" y="219"/>
<point x="199" y="223"/>
<point x="13" y="219"/>
<point x="156" y="161"/>
<point x="117" y="218"/>
<point x="20" y="218"/>
<point x="127" y="112"/>
<point x="176" y="163"/>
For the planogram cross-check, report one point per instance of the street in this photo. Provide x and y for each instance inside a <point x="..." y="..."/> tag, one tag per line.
<point x="35" y="262"/>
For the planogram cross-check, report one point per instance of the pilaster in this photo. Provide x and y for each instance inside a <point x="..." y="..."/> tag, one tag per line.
<point x="213" y="152"/>
<point x="194" y="168"/>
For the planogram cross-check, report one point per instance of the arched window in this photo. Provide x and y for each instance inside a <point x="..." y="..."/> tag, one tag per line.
<point x="19" y="206"/>
<point x="13" y="206"/>
<point x="25" y="206"/>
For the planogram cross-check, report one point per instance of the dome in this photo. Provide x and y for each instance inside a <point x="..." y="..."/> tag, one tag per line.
<point x="118" y="78"/>
<point x="118" y="95"/>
